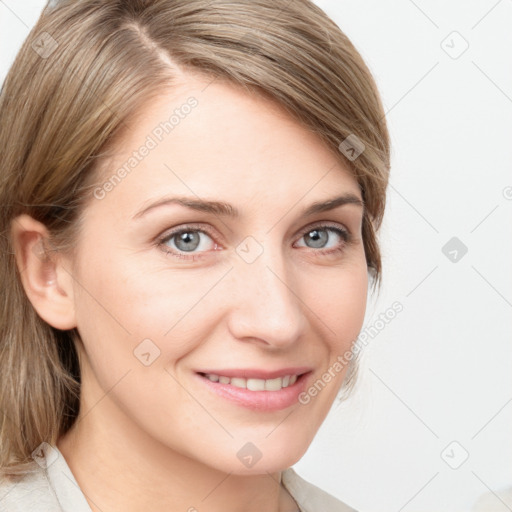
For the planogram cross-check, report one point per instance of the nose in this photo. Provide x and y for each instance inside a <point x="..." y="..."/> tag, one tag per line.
<point x="265" y="300"/>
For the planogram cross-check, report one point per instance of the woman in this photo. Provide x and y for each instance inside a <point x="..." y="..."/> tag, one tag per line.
<point x="138" y="373"/>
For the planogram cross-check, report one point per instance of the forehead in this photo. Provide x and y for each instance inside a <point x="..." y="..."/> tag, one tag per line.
<point x="207" y="139"/>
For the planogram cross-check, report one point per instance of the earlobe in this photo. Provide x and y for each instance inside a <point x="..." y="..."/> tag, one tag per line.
<point x="45" y="277"/>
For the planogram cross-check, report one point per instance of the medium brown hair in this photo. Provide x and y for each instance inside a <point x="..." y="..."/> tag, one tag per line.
<point x="85" y="70"/>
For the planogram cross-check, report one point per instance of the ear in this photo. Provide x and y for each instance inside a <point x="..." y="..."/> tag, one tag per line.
<point x="44" y="274"/>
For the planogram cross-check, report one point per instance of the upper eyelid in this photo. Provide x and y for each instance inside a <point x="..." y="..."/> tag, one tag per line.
<point x="186" y="227"/>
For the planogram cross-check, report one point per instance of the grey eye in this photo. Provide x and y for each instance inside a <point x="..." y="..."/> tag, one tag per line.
<point x="319" y="237"/>
<point x="187" y="240"/>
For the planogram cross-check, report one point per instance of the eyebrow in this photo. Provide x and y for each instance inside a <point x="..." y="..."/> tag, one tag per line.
<point x="224" y="209"/>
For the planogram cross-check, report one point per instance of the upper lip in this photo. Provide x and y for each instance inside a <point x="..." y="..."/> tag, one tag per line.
<point x="254" y="373"/>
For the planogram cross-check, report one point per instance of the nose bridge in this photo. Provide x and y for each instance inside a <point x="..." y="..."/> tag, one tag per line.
<point x="266" y="305"/>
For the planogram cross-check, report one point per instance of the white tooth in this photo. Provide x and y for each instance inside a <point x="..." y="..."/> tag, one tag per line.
<point x="256" y="384"/>
<point x="274" y="384"/>
<point x="238" y="382"/>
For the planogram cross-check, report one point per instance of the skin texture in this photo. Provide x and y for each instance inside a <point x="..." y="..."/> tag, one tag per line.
<point x="154" y="437"/>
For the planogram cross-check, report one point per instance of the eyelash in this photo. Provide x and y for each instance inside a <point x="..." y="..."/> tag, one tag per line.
<point x="345" y="235"/>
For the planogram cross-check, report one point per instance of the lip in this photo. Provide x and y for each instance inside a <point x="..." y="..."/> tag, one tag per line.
<point x="255" y="373"/>
<point x="261" y="401"/>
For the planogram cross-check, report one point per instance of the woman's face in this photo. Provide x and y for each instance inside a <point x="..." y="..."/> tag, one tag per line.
<point x="163" y="291"/>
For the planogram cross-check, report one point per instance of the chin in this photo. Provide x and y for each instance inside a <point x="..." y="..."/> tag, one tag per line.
<point x="266" y="456"/>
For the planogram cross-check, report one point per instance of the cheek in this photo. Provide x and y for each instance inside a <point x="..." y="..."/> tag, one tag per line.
<point x="340" y="304"/>
<point x="121" y="301"/>
<point x="134" y="326"/>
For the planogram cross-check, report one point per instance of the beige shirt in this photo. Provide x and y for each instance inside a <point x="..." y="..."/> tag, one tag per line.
<point x="53" y="488"/>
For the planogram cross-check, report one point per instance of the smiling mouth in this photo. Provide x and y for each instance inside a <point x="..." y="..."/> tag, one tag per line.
<point x="254" y="384"/>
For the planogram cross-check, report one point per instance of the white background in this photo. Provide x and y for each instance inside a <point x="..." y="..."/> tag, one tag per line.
<point x="441" y="370"/>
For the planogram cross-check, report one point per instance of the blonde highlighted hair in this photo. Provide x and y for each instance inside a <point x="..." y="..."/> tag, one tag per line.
<point x="85" y="70"/>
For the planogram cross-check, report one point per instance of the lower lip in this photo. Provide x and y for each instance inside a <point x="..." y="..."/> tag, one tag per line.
<point x="259" y="400"/>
